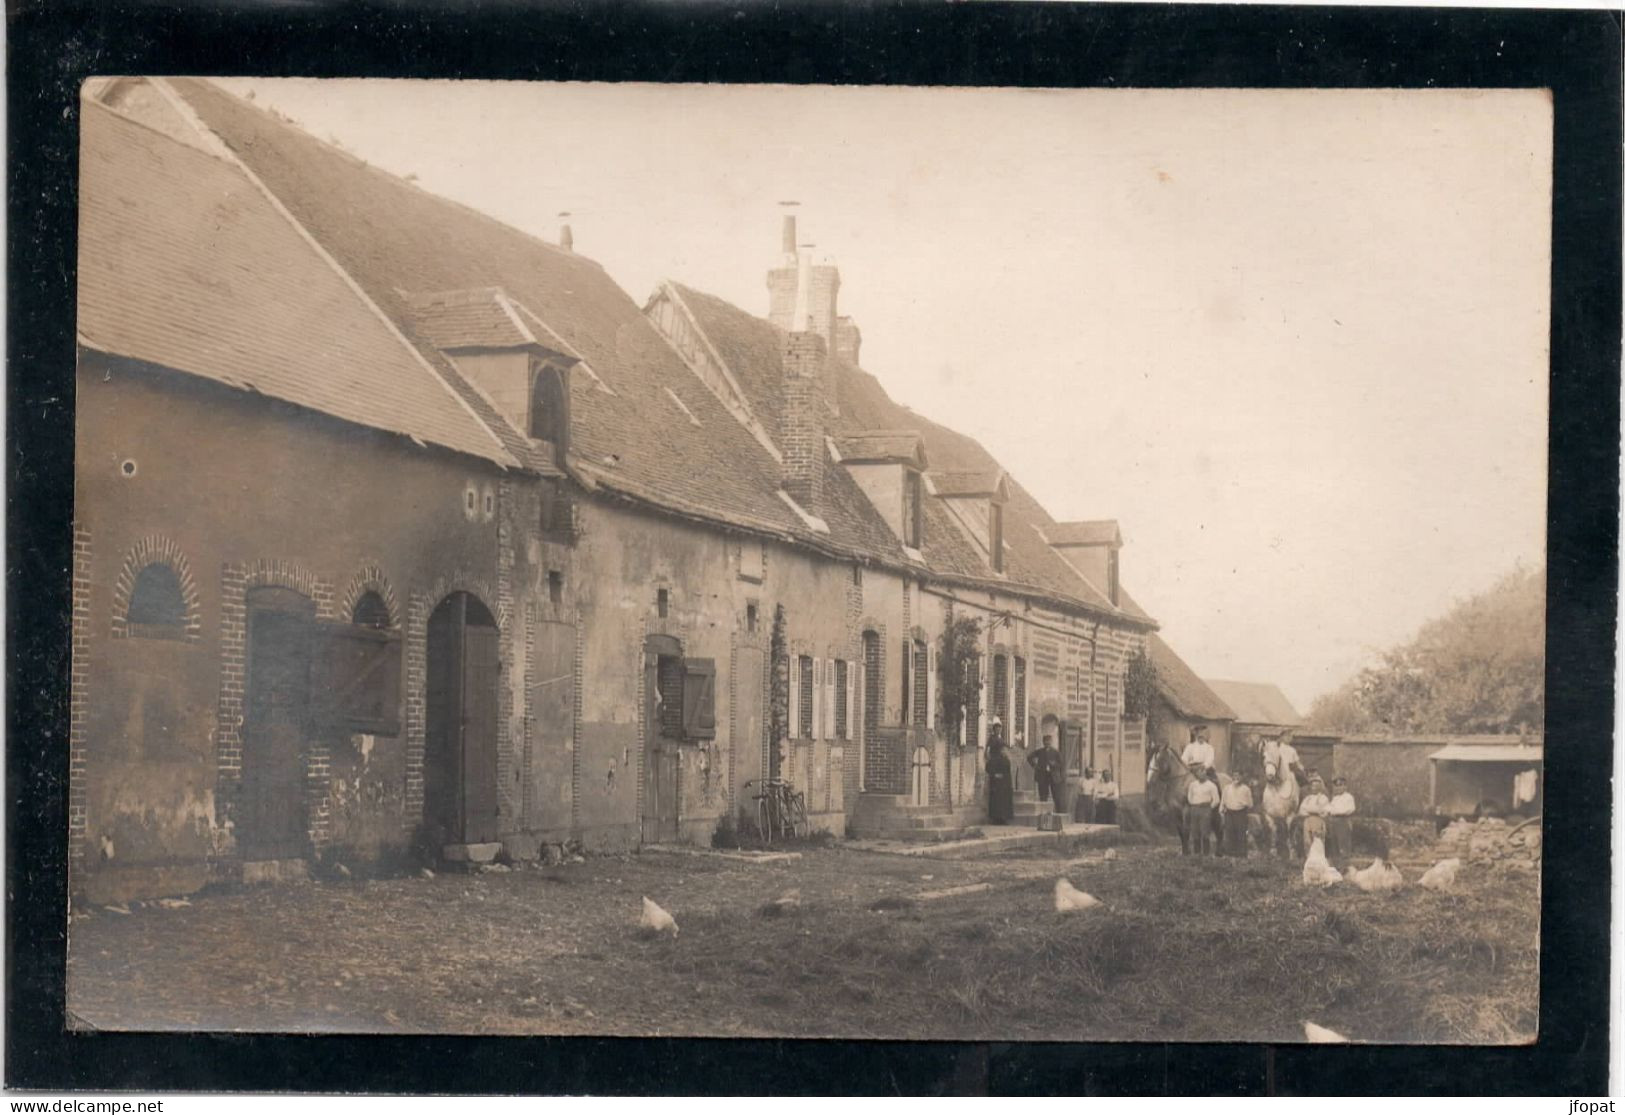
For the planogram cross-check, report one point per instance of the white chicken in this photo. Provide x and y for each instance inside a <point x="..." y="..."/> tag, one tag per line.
<point x="1380" y="876"/>
<point x="1442" y="875"/>
<point x="1320" y="1035"/>
<point x="1317" y="872"/>
<point x="656" y="920"/>
<point x="1069" y="898"/>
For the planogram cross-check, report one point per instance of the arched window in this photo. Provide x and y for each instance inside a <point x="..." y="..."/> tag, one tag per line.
<point x="370" y="611"/>
<point x="549" y="405"/>
<point x="157" y="605"/>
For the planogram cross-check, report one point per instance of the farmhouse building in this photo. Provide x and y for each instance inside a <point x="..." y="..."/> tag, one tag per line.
<point x="399" y="531"/>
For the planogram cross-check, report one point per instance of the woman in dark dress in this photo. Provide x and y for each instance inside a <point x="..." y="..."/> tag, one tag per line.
<point x="1001" y="802"/>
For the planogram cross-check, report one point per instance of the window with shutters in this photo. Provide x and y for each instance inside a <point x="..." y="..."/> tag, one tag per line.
<point x="1001" y="687"/>
<point x="973" y="699"/>
<point x="913" y="509"/>
<point x="871" y="683"/>
<point x="922" y="689"/>
<point x="669" y="677"/>
<point x="840" y="699"/>
<point x="804" y="715"/>
<point x="1020" y="713"/>
<point x="688" y="701"/>
<point x="356" y="678"/>
<point x="557" y="512"/>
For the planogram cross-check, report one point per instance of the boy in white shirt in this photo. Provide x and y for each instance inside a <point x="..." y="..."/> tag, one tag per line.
<point x="1313" y="810"/>
<point x="1085" y="809"/>
<point x="1201" y="798"/>
<point x="1340" y="820"/>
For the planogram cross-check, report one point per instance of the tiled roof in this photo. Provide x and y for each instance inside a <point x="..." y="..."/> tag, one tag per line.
<point x="864" y="408"/>
<point x="184" y="263"/>
<point x="393" y="237"/>
<point x="881" y="445"/>
<point x="1256" y="702"/>
<point x="1186" y="694"/>
<point x="1098" y="532"/>
<point x="964" y="483"/>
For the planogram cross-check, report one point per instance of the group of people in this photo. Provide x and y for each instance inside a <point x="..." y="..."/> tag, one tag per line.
<point x="1329" y="817"/>
<point x="1097" y="793"/>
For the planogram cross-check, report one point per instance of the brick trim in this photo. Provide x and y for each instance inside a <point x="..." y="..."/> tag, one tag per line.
<point x="370" y="577"/>
<point x="155" y="549"/>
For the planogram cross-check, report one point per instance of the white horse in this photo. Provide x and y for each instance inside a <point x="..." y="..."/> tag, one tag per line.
<point x="1280" y="805"/>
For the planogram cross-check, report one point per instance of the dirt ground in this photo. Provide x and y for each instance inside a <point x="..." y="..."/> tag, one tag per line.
<point x="1210" y="950"/>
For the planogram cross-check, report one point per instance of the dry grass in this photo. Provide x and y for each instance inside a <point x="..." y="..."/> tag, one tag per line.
<point x="1181" y="950"/>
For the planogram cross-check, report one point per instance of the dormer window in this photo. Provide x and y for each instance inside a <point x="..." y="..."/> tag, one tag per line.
<point x="549" y="404"/>
<point x="913" y="509"/>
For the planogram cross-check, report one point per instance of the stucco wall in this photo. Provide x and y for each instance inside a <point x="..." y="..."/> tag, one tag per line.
<point x="239" y="490"/>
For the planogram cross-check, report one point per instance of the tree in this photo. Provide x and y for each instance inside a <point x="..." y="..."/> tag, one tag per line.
<point x="1478" y="668"/>
<point x="1140" y="699"/>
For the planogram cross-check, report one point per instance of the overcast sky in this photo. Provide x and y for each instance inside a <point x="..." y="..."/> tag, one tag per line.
<point x="1295" y="342"/>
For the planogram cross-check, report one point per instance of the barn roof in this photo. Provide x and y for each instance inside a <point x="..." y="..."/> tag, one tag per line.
<point x="158" y="217"/>
<point x="1256" y="702"/>
<point x="1186" y="694"/>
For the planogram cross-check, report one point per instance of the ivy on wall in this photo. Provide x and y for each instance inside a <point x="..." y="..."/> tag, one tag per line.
<point x="958" y="666"/>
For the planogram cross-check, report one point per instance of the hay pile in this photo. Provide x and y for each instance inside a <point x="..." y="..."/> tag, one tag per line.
<point x="1490" y="839"/>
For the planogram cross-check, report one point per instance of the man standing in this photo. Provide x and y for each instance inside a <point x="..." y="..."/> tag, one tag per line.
<point x="1235" y="803"/>
<point x="1084" y="808"/>
<point x="1046" y="764"/>
<point x="1340" y="820"/>
<point x="1201" y="799"/>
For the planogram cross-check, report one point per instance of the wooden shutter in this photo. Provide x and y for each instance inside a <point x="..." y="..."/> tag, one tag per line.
<point x="792" y="722"/>
<point x="931" y="686"/>
<point x="908" y="676"/>
<point x="851" y="701"/>
<point x="981" y="699"/>
<point x="699" y="698"/>
<point x="356" y="680"/>
<point x="828" y="697"/>
<point x="818" y="699"/>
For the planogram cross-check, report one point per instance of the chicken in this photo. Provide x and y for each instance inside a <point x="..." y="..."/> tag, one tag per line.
<point x="1319" y="1035"/>
<point x="1380" y="876"/>
<point x="1069" y="898"/>
<point x="656" y="920"/>
<point x="1316" y="871"/>
<point x="1442" y="875"/>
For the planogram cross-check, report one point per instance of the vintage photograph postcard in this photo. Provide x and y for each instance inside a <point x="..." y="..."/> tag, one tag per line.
<point x="849" y="562"/>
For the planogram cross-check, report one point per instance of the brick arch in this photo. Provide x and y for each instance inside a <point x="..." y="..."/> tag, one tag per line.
<point x="277" y="573"/>
<point x="155" y="549"/>
<point x="370" y="577"/>
<point x="461" y="581"/>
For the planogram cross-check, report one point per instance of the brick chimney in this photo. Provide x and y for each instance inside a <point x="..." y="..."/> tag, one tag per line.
<point x="783" y="279"/>
<point x="847" y="340"/>
<point x="801" y="421"/>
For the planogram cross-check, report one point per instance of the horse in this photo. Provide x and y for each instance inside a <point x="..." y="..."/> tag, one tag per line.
<point x="1279" y="807"/>
<point x="1167" y="781"/>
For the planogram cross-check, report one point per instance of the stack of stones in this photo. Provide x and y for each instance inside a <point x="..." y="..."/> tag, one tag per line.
<point x="1489" y="839"/>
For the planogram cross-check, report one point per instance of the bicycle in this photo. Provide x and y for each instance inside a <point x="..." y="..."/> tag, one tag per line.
<point x="779" y="809"/>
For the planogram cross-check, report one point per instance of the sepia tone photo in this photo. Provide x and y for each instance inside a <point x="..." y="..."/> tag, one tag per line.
<point x="850" y="562"/>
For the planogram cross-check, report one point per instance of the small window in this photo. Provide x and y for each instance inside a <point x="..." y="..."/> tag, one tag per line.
<point x="805" y="712"/>
<point x="663" y="602"/>
<point x="157" y="605"/>
<point x="840" y="699"/>
<point x="857" y="575"/>
<point x="549" y="406"/>
<point x="370" y="611"/>
<point x="750" y="618"/>
<point x="555" y="587"/>
<point x="913" y="511"/>
<point x="490" y="504"/>
<point x="557" y="511"/>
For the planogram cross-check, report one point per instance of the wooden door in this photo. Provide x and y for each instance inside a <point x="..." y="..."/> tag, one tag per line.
<point x="272" y="815"/>
<point x="662" y="726"/>
<point x="479" y="735"/>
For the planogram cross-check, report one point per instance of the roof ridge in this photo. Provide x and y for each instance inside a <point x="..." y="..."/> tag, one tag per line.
<point x="292" y="125"/>
<point x="349" y="280"/>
